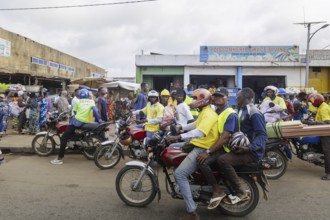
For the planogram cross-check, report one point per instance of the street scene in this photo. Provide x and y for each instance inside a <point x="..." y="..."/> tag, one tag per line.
<point x="34" y="189"/>
<point x="164" y="109"/>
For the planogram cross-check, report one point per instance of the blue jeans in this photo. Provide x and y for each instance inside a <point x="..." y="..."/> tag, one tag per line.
<point x="186" y="168"/>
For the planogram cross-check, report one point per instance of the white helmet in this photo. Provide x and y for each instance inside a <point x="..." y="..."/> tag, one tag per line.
<point x="275" y="89"/>
<point x="238" y="139"/>
<point x="153" y="93"/>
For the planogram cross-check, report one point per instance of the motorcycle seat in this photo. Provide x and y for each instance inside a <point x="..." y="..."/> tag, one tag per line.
<point x="273" y="142"/>
<point x="90" y="126"/>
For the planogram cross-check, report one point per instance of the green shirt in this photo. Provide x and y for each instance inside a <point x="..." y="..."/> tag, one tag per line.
<point x="83" y="109"/>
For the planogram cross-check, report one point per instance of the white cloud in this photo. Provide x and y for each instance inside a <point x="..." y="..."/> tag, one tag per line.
<point x="110" y="36"/>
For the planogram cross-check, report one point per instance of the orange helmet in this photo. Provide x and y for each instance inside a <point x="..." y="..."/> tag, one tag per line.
<point x="202" y="98"/>
<point x="316" y="99"/>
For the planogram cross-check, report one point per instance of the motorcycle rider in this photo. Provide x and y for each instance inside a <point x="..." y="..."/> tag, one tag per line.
<point x="322" y="117"/>
<point x="154" y="112"/>
<point x="203" y="134"/>
<point x="252" y="124"/>
<point x="83" y="109"/>
<point x="271" y="92"/>
<point x="227" y="125"/>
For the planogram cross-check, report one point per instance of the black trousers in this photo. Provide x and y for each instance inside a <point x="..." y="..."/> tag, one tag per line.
<point x="206" y="168"/>
<point x="227" y="162"/>
<point x="325" y="141"/>
<point x="64" y="140"/>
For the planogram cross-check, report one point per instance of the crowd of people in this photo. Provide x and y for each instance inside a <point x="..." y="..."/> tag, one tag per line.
<point x="205" y="122"/>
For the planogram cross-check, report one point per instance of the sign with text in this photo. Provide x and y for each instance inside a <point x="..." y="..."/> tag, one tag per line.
<point x="319" y="54"/>
<point x="5" y="48"/>
<point x="249" y="53"/>
<point x="232" y="96"/>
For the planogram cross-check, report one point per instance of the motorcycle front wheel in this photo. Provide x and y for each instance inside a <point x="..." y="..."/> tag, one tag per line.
<point x="106" y="157"/>
<point x="145" y="191"/>
<point x="279" y="167"/>
<point x="243" y="208"/>
<point x="93" y="142"/>
<point x="43" y="145"/>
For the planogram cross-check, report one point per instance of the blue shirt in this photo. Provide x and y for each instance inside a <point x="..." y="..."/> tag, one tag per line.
<point x="103" y="109"/>
<point x="231" y="124"/>
<point x="252" y="123"/>
<point x="140" y="101"/>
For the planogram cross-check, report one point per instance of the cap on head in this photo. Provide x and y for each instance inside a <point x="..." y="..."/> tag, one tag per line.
<point x="221" y="91"/>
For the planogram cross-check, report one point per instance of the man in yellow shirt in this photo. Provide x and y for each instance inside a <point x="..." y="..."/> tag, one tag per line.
<point x="322" y="117"/>
<point x="271" y="92"/>
<point x="154" y="112"/>
<point x="203" y="134"/>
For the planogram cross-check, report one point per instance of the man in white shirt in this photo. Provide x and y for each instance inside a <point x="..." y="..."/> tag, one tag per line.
<point x="183" y="114"/>
<point x="74" y="100"/>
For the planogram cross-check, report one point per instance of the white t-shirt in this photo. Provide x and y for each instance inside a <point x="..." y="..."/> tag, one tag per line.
<point x="182" y="114"/>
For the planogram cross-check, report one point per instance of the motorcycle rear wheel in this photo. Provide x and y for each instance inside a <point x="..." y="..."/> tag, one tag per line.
<point x="103" y="158"/>
<point x="145" y="192"/>
<point x="278" y="170"/>
<point x="93" y="142"/>
<point x="43" y="145"/>
<point x="243" y="208"/>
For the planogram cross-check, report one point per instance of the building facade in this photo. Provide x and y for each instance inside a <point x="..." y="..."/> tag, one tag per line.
<point x="25" y="61"/>
<point x="171" y="71"/>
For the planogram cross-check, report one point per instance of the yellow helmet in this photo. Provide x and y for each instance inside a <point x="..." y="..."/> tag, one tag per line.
<point x="165" y="92"/>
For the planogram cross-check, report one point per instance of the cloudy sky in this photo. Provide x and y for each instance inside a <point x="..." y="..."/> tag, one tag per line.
<point x="111" y="36"/>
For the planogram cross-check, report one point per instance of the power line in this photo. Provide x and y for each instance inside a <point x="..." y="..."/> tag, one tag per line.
<point x="76" y="6"/>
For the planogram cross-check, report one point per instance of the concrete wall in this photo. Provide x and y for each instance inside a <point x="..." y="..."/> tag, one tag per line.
<point x="22" y="49"/>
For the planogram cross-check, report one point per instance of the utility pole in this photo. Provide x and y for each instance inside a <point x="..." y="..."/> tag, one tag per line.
<point x="309" y="37"/>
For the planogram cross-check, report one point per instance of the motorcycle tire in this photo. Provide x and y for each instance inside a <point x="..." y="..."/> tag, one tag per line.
<point x="94" y="142"/>
<point x="106" y="157"/>
<point x="43" y="149"/>
<point x="281" y="165"/>
<point x="243" y="208"/>
<point x="126" y="179"/>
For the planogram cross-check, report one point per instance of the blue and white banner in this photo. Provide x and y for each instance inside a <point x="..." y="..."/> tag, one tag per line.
<point x="249" y="53"/>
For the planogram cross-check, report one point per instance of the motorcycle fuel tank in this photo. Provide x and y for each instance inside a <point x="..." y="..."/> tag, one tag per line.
<point x="137" y="133"/>
<point x="173" y="156"/>
<point x="62" y="126"/>
<point x="308" y="140"/>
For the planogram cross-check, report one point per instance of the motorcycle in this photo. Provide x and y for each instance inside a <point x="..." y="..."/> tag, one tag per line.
<point x="276" y="158"/>
<point x="110" y="152"/>
<point x="137" y="183"/>
<point x="308" y="149"/>
<point x="86" y="138"/>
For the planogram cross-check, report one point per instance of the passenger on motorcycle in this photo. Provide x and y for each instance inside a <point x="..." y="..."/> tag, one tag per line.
<point x="322" y="117"/>
<point x="202" y="134"/>
<point x="168" y="117"/>
<point x="271" y="92"/>
<point x="183" y="114"/>
<point x="252" y="124"/>
<point x="227" y="125"/>
<point x="154" y="112"/>
<point x="82" y="110"/>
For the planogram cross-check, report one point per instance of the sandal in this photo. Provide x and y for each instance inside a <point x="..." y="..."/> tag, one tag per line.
<point x="215" y="202"/>
<point x="232" y="200"/>
<point x="325" y="177"/>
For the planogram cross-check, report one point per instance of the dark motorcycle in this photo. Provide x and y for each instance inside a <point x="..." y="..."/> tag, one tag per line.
<point x="275" y="159"/>
<point x="110" y="152"/>
<point x="137" y="183"/>
<point x="86" y="138"/>
<point x="308" y="149"/>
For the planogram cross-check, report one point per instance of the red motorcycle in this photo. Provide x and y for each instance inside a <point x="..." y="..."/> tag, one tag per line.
<point x="110" y="152"/>
<point x="86" y="138"/>
<point x="137" y="183"/>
